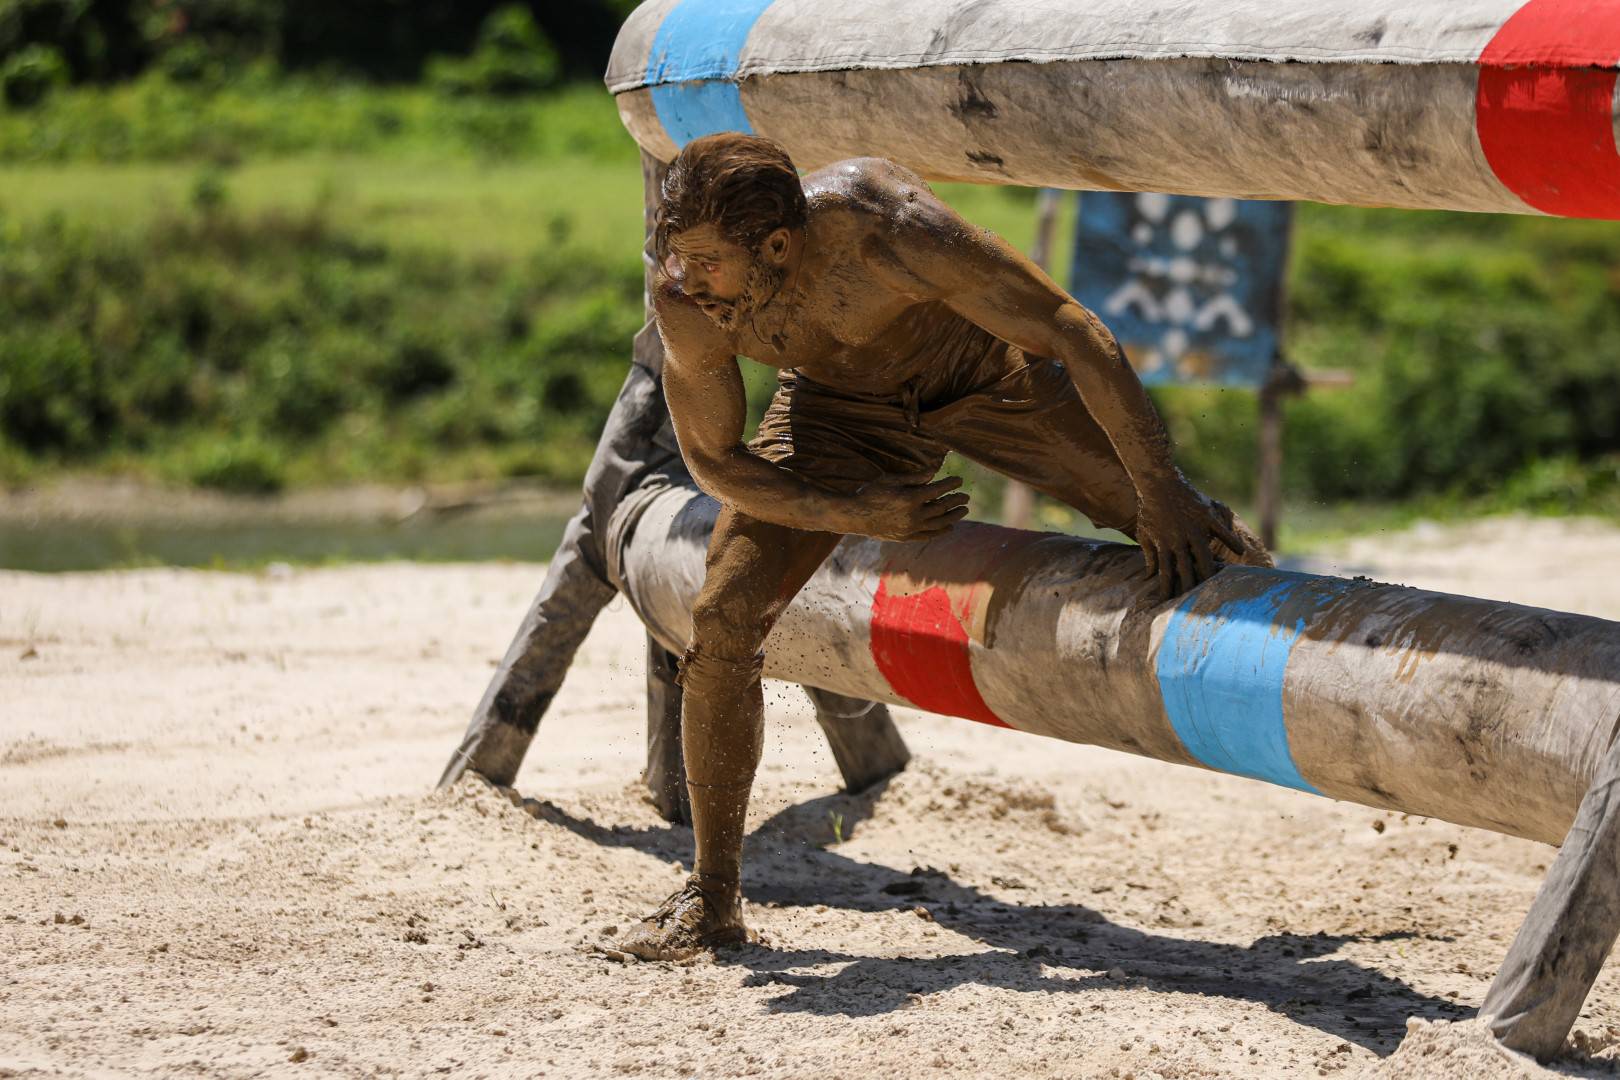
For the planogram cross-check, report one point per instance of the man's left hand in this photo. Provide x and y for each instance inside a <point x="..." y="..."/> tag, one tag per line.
<point x="1174" y="527"/>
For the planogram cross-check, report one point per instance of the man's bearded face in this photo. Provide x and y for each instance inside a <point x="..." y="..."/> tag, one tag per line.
<point x="727" y="282"/>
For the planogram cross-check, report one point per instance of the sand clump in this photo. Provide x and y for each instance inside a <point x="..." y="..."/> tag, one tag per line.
<point x="1437" y="1050"/>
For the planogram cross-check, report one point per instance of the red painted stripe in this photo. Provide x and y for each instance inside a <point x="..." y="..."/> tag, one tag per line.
<point x="921" y="647"/>
<point x="1558" y="33"/>
<point x="1545" y="103"/>
<point x="924" y="610"/>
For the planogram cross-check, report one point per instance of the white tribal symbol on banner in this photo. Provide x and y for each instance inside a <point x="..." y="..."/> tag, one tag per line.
<point x="1188" y="285"/>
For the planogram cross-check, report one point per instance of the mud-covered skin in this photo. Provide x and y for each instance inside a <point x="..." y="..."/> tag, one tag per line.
<point x="879" y="267"/>
<point x="940" y="329"/>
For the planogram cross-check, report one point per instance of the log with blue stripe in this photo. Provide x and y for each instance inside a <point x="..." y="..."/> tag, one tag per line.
<point x="1494" y="105"/>
<point x="1480" y="712"/>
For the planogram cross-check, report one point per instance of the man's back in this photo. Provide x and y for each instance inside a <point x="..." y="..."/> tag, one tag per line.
<point x="853" y="314"/>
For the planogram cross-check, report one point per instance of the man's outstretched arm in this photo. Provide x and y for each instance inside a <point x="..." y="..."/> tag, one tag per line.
<point x="983" y="278"/>
<point x="708" y="407"/>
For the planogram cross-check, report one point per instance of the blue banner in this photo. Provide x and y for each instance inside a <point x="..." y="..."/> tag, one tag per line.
<point x="1192" y="287"/>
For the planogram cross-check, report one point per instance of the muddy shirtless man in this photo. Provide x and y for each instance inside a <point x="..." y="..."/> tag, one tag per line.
<point x="901" y="332"/>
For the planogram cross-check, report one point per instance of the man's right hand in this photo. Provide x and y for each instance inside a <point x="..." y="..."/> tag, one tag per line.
<point x="890" y="511"/>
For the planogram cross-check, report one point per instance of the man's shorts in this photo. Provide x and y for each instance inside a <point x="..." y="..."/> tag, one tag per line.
<point x="1018" y="415"/>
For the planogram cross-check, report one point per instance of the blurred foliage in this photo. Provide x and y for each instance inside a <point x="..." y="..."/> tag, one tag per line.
<point x="1482" y="346"/>
<point x="258" y="115"/>
<point x="95" y="39"/>
<point x="245" y="352"/>
<point x="513" y="57"/>
<point x="459" y="301"/>
<point x="386" y="40"/>
<point x="29" y="75"/>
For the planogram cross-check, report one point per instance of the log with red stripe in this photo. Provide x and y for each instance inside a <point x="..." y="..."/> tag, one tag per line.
<point x="1479" y="712"/>
<point x="1486" y="105"/>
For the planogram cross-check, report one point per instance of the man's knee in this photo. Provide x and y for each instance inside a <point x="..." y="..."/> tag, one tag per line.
<point x="700" y="668"/>
<point x="722" y="722"/>
<point x="729" y="625"/>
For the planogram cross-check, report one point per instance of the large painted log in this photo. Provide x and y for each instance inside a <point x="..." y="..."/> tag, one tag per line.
<point x="1487" y="105"/>
<point x="1478" y="712"/>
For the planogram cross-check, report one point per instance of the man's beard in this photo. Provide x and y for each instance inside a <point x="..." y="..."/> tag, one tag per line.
<point x="764" y="281"/>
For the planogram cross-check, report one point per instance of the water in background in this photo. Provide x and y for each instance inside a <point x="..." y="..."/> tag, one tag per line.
<point x="120" y="535"/>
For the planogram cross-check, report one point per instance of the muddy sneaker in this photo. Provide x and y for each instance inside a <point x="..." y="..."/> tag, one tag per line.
<point x="694" y="918"/>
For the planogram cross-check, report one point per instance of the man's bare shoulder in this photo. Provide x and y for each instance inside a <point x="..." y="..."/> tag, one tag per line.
<point x="889" y="214"/>
<point x="875" y="190"/>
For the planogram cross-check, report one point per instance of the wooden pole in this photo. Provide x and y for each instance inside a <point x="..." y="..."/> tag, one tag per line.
<point x="529" y="675"/>
<point x="1282" y="382"/>
<point x="865" y="743"/>
<point x="1046" y="211"/>
<point x="1268" y="482"/>
<point x="666" y="766"/>
<point x="1017" y="498"/>
<point x="1571" y="928"/>
<point x="1017" y="505"/>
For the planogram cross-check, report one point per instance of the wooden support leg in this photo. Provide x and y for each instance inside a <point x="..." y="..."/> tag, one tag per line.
<point x="1268" y="485"/>
<point x="1284" y="381"/>
<point x="1017" y="505"/>
<point x="666" y="768"/>
<point x="865" y="743"/>
<point x="1570" y="930"/>
<point x="528" y="677"/>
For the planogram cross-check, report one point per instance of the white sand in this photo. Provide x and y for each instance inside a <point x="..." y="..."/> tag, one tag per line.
<point x="218" y="856"/>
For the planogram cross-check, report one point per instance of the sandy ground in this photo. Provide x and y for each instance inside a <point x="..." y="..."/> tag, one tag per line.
<point x="219" y="855"/>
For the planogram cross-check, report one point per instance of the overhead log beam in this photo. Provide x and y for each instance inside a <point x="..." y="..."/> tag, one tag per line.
<point x="1501" y="106"/>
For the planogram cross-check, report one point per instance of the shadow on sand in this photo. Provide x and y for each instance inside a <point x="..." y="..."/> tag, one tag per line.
<point x="1032" y="948"/>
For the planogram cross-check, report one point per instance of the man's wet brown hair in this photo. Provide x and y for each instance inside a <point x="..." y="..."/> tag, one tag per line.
<point x="743" y="184"/>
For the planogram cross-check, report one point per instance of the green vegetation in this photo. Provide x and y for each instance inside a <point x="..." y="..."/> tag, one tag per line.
<point x="249" y="351"/>
<point x="1483" y="353"/>
<point x="272" y="280"/>
<point x="260" y="115"/>
<point x="423" y="310"/>
<point x="198" y="40"/>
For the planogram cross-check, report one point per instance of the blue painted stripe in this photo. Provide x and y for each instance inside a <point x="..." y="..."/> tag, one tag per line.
<point x="1221" y="677"/>
<point x="691" y="110"/>
<point x="693" y="64"/>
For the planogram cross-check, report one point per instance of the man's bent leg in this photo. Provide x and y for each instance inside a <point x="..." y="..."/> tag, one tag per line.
<point x="722" y="736"/>
<point x="754" y="569"/>
<point x="1032" y="426"/>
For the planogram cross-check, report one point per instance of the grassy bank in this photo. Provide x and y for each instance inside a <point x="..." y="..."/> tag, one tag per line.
<point x="282" y="284"/>
<point x="426" y="310"/>
<point x="249" y="352"/>
<point x="260" y="115"/>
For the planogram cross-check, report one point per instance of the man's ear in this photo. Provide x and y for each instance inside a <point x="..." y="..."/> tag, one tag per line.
<point x="777" y="244"/>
